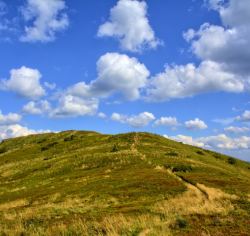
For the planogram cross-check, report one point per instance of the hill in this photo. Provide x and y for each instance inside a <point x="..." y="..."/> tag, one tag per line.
<point x="86" y="183"/>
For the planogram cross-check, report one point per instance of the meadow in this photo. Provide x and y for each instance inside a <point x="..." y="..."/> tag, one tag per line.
<point x="87" y="183"/>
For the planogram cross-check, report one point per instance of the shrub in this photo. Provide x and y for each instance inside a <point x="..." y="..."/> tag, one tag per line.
<point x="172" y="154"/>
<point x="115" y="148"/>
<point x="181" y="223"/>
<point x="217" y="156"/>
<point x="48" y="146"/>
<point x="231" y="161"/>
<point x="41" y="141"/>
<point x="200" y="153"/>
<point x="3" y="150"/>
<point x="182" y="168"/>
<point x="70" y="138"/>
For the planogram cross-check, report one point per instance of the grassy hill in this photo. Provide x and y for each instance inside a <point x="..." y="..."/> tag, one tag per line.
<point x="86" y="183"/>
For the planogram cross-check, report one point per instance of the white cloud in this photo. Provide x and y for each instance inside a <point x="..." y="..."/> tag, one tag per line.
<point x="218" y="142"/>
<point x="24" y="82"/>
<point x="167" y="121"/>
<point x="228" y="44"/>
<point x="234" y="129"/>
<point x="16" y="130"/>
<point x="50" y="86"/>
<point x="117" y="73"/>
<point x="222" y="141"/>
<point x="44" y="19"/>
<point x="245" y="117"/>
<point x="129" y="23"/>
<point x="195" y="124"/>
<point x="9" y="119"/>
<point x="37" y="108"/>
<point x="137" y="121"/>
<point x="73" y="106"/>
<point x="186" y="139"/>
<point x="102" y="115"/>
<point x="224" y="121"/>
<point x="188" y="80"/>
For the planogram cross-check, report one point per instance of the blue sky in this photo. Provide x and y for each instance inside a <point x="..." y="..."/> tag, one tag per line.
<point x="176" y="68"/>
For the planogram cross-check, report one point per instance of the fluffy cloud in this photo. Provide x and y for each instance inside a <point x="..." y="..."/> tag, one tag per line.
<point x="24" y="82"/>
<point x="137" y="121"/>
<point x="73" y="106"/>
<point x="188" y="80"/>
<point x="234" y="129"/>
<point x="245" y="117"/>
<point x="16" y="130"/>
<point x="129" y="23"/>
<point x="117" y="73"/>
<point x="45" y="18"/>
<point x="221" y="142"/>
<point x="37" y="108"/>
<point x="228" y="44"/>
<point x="186" y="139"/>
<point x="102" y="115"/>
<point x="195" y="124"/>
<point x="9" y="119"/>
<point x="167" y="121"/>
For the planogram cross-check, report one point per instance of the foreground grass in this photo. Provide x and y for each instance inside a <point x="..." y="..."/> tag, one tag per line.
<point x="85" y="183"/>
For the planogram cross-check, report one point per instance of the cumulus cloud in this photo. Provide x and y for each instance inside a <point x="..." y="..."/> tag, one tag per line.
<point x="229" y="43"/>
<point x="245" y="117"/>
<point x="102" y="115"/>
<point x="24" y="82"/>
<point x="9" y="119"/>
<point x="186" y="139"/>
<point x="234" y="129"/>
<point x="44" y="19"/>
<point x="137" y="121"/>
<point x="16" y="130"/>
<point x="167" y="121"/>
<point x="73" y="106"/>
<point x="117" y="73"/>
<point x="182" y="81"/>
<point x="222" y="141"/>
<point x="128" y="22"/>
<point x="37" y="108"/>
<point x="217" y="142"/>
<point x="195" y="124"/>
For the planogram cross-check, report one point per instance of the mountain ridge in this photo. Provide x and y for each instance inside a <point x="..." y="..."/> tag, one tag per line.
<point x="87" y="183"/>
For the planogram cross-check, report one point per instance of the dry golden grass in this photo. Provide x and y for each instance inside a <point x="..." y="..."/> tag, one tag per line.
<point x="193" y="201"/>
<point x="14" y="204"/>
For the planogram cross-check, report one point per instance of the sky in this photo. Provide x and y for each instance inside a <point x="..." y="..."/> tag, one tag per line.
<point x="180" y="69"/>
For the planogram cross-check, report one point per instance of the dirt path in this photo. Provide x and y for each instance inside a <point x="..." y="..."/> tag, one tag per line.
<point x="189" y="184"/>
<point x="134" y="145"/>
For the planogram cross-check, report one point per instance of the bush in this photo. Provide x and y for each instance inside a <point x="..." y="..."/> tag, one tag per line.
<point x="3" y="150"/>
<point x="70" y="138"/>
<point x="182" y="168"/>
<point x="200" y="153"/>
<point x="231" y="161"/>
<point x="115" y="148"/>
<point x="172" y="154"/>
<point x="48" y="146"/>
<point x="181" y="223"/>
<point x="217" y="156"/>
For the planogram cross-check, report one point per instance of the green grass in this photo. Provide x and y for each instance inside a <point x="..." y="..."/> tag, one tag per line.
<point x="86" y="183"/>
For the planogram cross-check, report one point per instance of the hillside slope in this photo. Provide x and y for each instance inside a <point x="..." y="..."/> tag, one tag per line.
<point x="86" y="183"/>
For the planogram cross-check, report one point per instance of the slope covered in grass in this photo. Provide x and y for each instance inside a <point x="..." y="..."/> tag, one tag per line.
<point x="86" y="183"/>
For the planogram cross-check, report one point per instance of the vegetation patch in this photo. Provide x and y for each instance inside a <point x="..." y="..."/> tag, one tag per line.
<point x="94" y="184"/>
<point x="231" y="161"/>
<point x="48" y="146"/>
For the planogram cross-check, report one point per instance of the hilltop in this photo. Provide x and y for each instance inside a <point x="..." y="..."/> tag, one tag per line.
<point x="87" y="183"/>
